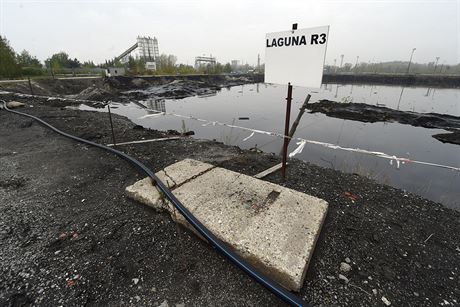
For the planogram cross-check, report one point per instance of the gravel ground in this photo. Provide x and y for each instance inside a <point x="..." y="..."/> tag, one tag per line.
<point x="69" y="236"/>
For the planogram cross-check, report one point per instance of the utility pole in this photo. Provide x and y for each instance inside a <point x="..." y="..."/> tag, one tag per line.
<point x="436" y="64"/>
<point x="440" y="70"/>
<point x="258" y="62"/>
<point x="410" y="60"/>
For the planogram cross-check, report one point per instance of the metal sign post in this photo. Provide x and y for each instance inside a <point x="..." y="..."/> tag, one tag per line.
<point x="111" y="124"/>
<point x="286" y="129"/>
<point x="286" y="123"/>
<point x="295" y="57"/>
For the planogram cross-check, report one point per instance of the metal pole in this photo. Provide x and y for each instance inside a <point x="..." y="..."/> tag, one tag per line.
<point x="410" y="60"/>
<point x="297" y="120"/>
<point x="286" y="130"/>
<point x="436" y="65"/>
<point x="111" y="125"/>
<point x="30" y="86"/>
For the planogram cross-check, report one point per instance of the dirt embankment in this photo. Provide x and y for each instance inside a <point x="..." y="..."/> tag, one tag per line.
<point x="70" y="236"/>
<point x="102" y="89"/>
<point x="371" y="114"/>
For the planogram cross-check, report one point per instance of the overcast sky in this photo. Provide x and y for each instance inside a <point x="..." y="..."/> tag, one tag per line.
<point x="375" y="31"/>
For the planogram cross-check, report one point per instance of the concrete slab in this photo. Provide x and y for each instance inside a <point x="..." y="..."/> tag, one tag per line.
<point x="176" y="174"/>
<point x="272" y="227"/>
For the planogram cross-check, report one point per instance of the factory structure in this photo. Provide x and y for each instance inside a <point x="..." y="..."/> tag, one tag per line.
<point x="145" y="48"/>
<point x="201" y="61"/>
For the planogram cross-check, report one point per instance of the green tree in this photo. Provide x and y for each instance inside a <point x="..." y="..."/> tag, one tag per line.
<point x="166" y="64"/>
<point x="185" y="69"/>
<point x="8" y="62"/>
<point x="25" y="59"/>
<point x="228" y="68"/>
<point x="88" y="64"/>
<point x="62" y="60"/>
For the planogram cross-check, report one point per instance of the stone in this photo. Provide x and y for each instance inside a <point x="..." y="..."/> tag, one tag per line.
<point x="164" y="304"/>
<point x="386" y="301"/>
<point x="345" y="280"/>
<point x="345" y="267"/>
<point x="14" y="104"/>
<point x="274" y="228"/>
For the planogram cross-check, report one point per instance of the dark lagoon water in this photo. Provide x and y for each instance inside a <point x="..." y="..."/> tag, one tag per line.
<point x="264" y="105"/>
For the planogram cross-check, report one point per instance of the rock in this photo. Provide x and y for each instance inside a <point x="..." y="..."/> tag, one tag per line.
<point x="14" y="104"/>
<point x="345" y="280"/>
<point x="164" y="304"/>
<point x="345" y="267"/>
<point x="347" y="260"/>
<point x="386" y="301"/>
<point x="188" y="133"/>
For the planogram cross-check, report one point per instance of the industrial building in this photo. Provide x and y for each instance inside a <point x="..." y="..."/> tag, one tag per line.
<point x="145" y="48"/>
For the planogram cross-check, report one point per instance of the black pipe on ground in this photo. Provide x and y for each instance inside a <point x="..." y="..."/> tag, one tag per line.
<point x="271" y="285"/>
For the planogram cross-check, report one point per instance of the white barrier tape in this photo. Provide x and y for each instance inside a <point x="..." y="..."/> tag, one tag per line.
<point x="152" y="115"/>
<point x="247" y="138"/>
<point x="327" y="145"/>
<point x="298" y="149"/>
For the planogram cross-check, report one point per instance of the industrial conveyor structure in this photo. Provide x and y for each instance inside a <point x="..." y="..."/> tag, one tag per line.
<point x="146" y="48"/>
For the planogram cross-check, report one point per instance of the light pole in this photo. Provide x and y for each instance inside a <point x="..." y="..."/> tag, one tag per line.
<point x="410" y="60"/>
<point x="436" y="64"/>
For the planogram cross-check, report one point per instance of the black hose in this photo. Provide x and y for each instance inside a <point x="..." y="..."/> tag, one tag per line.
<point x="271" y="285"/>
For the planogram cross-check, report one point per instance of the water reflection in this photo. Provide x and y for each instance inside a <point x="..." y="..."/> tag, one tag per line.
<point x="155" y="104"/>
<point x="209" y="93"/>
<point x="264" y="106"/>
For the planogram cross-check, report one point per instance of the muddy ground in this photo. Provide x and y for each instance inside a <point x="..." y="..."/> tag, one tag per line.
<point x="371" y="114"/>
<point x="104" y="89"/>
<point x="70" y="236"/>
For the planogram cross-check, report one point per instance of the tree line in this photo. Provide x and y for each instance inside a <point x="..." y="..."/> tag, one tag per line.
<point x="13" y="65"/>
<point x="394" y="67"/>
<point x="22" y="64"/>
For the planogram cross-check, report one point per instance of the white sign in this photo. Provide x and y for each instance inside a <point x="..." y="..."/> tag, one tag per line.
<point x="296" y="56"/>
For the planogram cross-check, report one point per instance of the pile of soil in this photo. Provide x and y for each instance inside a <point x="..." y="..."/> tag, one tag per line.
<point x="94" y="93"/>
<point x="70" y="236"/>
<point x="368" y="113"/>
<point x="176" y="89"/>
<point x="103" y="89"/>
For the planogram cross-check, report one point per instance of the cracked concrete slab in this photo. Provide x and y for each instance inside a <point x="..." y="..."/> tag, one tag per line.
<point x="272" y="227"/>
<point x="172" y="176"/>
